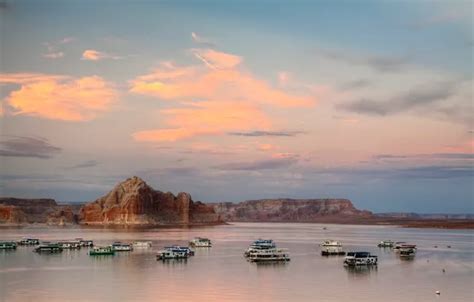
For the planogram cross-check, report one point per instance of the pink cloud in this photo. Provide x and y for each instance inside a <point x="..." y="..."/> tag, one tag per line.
<point x="95" y="55"/>
<point x="59" y="97"/>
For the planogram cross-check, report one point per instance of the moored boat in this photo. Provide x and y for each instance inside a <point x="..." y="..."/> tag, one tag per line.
<point x="7" y="245"/>
<point x="269" y="255"/>
<point x="360" y="258"/>
<point x="49" y="248"/>
<point x="70" y="245"/>
<point x="142" y="244"/>
<point x="178" y="248"/>
<point x="260" y="244"/>
<point x="331" y="243"/>
<point x="121" y="247"/>
<point x="398" y="245"/>
<point x="172" y="253"/>
<point x="200" y="242"/>
<point x="102" y="251"/>
<point x="29" y="241"/>
<point x="407" y="251"/>
<point x="332" y="251"/>
<point x="85" y="243"/>
<point x="385" y="243"/>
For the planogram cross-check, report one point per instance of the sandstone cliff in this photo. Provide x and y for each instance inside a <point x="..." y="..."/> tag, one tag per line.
<point x="133" y="202"/>
<point x="20" y="211"/>
<point x="291" y="210"/>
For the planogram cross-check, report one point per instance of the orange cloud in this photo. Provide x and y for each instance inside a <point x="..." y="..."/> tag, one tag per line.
<point x="95" y="55"/>
<point x="219" y="96"/>
<point x="220" y="80"/>
<point x="205" y="118"/>
<point x="58" y="97"/>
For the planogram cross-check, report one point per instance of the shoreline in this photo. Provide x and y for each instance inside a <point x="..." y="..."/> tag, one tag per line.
<point x="451" y="224"/>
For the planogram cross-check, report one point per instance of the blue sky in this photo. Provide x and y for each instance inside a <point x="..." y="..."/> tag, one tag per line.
<point x="234" y="100"/>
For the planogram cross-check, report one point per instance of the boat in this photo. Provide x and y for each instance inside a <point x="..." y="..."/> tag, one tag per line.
<point x="385" y="243"/>
<point x="407" y="251"/>
<point x="85" y="243"/>
<point x="142" y="244"/>
<point x="121" y="247"/>
<point x="70" y="245"/>
<point x="398" y="245"/>
<point x="7" y="245"/>
<point x="184" y="249"/>
<point x="260" y="244"/>
<point x="269" y="255"/>
<point x="360" y="258"/>
<point x="172" y="253"/>
<point x="49" y="248"/>
<point x="102" y="251"/>
<point x="200" y="242"/>
<point x="331" y="243"/>
<point x="332" y="251"/>
<point x="29" y="241"/>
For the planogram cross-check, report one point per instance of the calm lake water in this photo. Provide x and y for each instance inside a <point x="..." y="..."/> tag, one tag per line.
<point x="221" y="273"/>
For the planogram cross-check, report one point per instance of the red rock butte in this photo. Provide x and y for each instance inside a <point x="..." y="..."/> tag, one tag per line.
<point x="133" y="202"/>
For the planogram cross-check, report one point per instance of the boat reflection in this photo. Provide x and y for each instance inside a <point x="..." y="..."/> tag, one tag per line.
<point x="361" y="270"/>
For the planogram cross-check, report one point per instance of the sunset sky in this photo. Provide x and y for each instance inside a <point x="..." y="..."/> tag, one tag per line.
<point x="233" y="100"/>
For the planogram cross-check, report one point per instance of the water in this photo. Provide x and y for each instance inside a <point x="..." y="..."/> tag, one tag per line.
<point x="222" y="274"/>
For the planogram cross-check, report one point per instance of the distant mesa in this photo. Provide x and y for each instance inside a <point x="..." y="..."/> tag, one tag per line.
<point x="133" y="202"/>
<point x="291" y="210"/>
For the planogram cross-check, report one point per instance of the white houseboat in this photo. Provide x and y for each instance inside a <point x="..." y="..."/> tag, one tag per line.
<point x="360" y="258"/>
<point x="172" y="253"/>
<point x="121" y="247"/>
<point x="407" y="251"/>
<point x="70" y="245"/>
<point x="385" y="243"/>
<point x="200" y="242"/>
<point x="331" y="243"/>
<point x="269" y="255"/>
<point x="29" y="241"/>
<point x="260" y="244"/>
<point x="142" y="244"/>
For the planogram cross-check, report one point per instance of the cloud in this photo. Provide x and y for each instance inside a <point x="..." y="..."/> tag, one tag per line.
<point x="218" y="97"/>
<point x="257" y="133"/>
<point x="218" y="79"/>
<point x="86" y="164"/>
<point x="424" y="156"/>
<point x="22" y="146"/>
<point x="269" y="164"/>
<point x="95" y="55"/>
<point x="205" y="118"/>
<point x="201" y="40"/>
<point x="59" y="97"/>
<point x="417" y="97"/>
<point x="54" y="48"/>
<point x="356" y="84"/>
<point x="376" y="62"/>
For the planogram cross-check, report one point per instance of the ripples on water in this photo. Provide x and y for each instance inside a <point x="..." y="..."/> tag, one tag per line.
<point x="222" y="274"/>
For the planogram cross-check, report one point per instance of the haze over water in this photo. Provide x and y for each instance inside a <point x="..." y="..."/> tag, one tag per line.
<point x="221" y="273"/>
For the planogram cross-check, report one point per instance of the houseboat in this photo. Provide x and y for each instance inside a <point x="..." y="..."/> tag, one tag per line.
<point x="7" y="245"/>
<point x="172" y="253"/>
<point x="142" y="244"/>
<point x="360" y="258"/>
<point x="260" y="244"/>
<point x="85" y="243"/>
<point x="331" y="243"/>
<point x="385" y="243"/>
<point x="70" y="245"/>
<point x="121" y="247"/>
<point x="398" y="245"/>
<point x="184" y="249"/>
<point x="29" y="241"/>
<point x="269" y="255"/>
<point x="200" y="242"/>
<point x="407" y="251"/>
<point x="102" y="251"/>
<point x="49" y="248"/>
<point x="332" y="251"/>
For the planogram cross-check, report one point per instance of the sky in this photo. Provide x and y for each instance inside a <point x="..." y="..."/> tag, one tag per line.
<point x="235" y="100"/>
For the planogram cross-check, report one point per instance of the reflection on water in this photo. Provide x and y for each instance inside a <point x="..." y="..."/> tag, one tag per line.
<point x="221" y="273"/>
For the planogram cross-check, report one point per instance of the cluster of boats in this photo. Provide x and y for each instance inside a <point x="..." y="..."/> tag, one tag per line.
<point x="261" y="250"/>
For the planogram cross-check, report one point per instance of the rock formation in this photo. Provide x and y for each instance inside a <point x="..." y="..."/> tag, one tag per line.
<point x="20" y="211"/>
<point x="133" y="202"/>
<point x="290" y="210"/>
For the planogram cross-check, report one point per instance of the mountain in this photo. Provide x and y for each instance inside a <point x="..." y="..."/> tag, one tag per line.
<point x="45" y="211"/>
<point x="133" y="202"/>
<point x="291" y="210"/>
